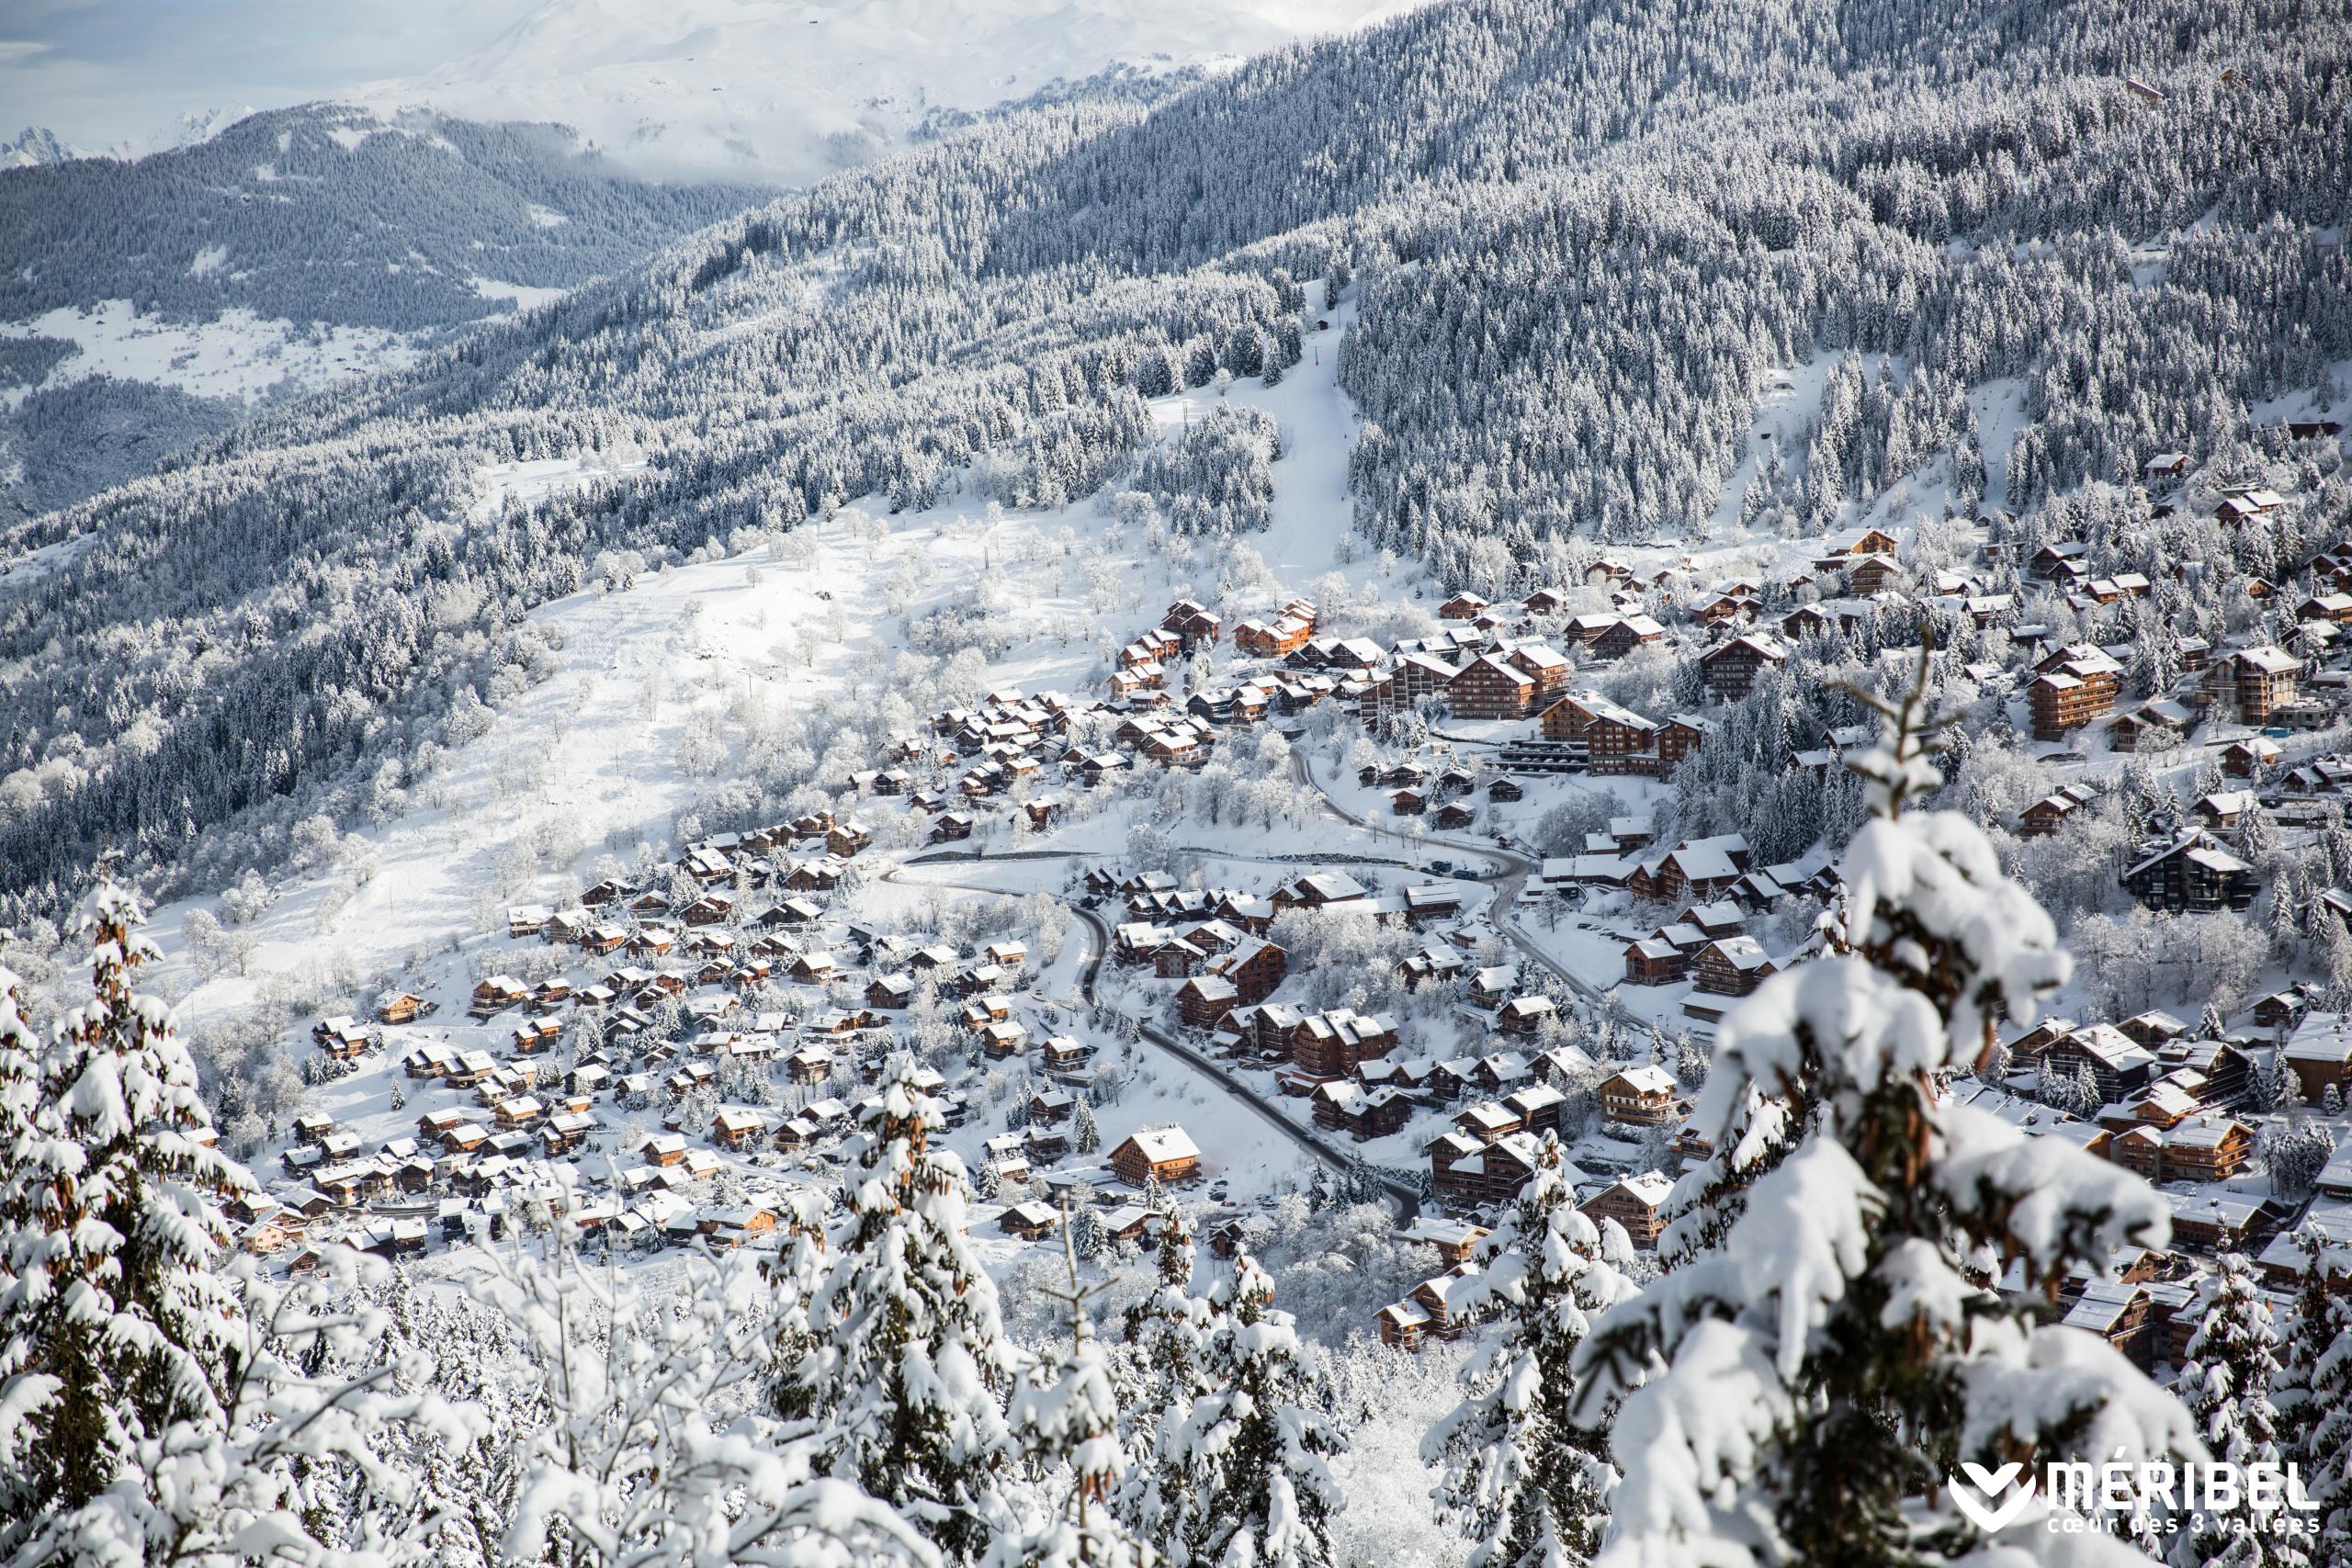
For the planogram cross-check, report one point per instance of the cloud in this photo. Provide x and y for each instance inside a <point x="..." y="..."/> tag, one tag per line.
<point x="99" y="71"/>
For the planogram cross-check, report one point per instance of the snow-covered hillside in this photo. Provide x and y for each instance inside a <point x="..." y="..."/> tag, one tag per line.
<point x="725" y="642"/>
<point x="794" y="90"/>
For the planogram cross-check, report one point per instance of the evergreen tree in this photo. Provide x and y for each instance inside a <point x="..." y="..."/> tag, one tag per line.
<point x="1253" y="1451"/>
<point x="1085" y="1136"/>
<point x="1709" y="1198"/>
<point x="1165" y="1338"/>
<point x="2314" y="1398"/>
<point x="902" y="1385"/>
<point x="1813" y="1385"/>
<point x="2232" y="1363"/>
<point x="1527" y="1480"/>
<point x="2311" y="1331"/>
<point x="160" y="1400"/>
<point x="1064" y="1419"/>
<point x="115" y="1324"/>
<point x="630" y="1466"/>
<point x="2271" y="1083"/>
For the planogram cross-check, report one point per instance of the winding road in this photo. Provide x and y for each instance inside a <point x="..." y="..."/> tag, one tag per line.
<point x="1507" y="873"/>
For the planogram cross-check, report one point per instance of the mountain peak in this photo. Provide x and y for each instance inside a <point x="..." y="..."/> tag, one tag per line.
<point x="37" y="147"/>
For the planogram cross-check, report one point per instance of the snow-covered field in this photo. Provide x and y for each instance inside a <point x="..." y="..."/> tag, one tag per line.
<point x="237" y="354"/>
<point x="592" y="752"/>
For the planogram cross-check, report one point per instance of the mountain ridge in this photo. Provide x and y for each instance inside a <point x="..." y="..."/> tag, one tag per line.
<point x="1570" y="301"/>
<point x="793" y="91"/>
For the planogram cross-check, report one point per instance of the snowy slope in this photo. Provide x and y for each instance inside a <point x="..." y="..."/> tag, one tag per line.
<point x="794" y="90"/>
<point x="709" y="639"/>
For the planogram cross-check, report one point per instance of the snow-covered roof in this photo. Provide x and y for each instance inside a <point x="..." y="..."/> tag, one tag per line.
<point x="1160" y="1145"/>
<point x="1702" y="863"/>
<point x="2270" y="660"/>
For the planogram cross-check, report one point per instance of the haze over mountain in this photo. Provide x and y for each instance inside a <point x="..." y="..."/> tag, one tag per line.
<point x="795" y="90"/>
<point x="145" y="303"/>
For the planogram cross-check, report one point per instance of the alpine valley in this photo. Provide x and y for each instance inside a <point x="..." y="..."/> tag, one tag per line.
<point x="1503" y="784"/>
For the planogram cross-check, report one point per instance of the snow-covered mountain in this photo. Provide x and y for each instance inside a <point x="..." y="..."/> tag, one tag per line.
<point x="191" y="130"/>
<point x="36" y="148"/>
<point x="39" y="147"/>
<point x="794" y="90"/>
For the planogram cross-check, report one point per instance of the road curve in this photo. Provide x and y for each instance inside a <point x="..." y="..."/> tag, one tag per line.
<point x="1408" y="1196"/>
<point x="1507" y="873"/>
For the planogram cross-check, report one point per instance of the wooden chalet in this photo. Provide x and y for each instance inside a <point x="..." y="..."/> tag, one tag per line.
<point x="1636" y="1203"/>
<point x="1640" y="1096"/>
<point x="1164" y="1154"/>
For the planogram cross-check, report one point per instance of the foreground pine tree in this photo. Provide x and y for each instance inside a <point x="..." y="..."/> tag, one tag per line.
<point x="160" y="1401"/>
<point x="1066" y="1419"/>
<point x="1829" y="1367"/>
<point x="1525" y="1478"/>
<point x="2313" y="1399"/>
<point x="1253" y="1453"/>
<point x="1159" y="1373"/>
<point x="1709" y="1198"/>
<point x="111" y="1297"/>
<point x="906" y="1352"/>
<point x="2232" y="1363"/>
<point x="637" y="1461"/>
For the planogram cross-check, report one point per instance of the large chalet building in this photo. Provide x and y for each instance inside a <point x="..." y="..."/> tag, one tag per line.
<point x="2253" y="683"/>
<point x="1491" y="687"/>
<point x="2072" y="686"/>
<point x="2194" y="874"/>
<point x="1640" y="1097"/>
<point x="1730" y="668"/>
<point x="1636" y="1203"/>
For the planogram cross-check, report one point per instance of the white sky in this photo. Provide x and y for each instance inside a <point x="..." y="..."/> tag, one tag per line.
<point x="97" y="72"/>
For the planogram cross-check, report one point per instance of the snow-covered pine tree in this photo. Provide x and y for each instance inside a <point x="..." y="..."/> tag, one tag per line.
<point x="2271" y="1082"/>
<point x="2232" y="1363"/>
<point x="1253" y="1451"/>
<point x="161" y="1400"/>
<point x="1826" y="1369"/>
<point x="1085" y="1136"/>
<point x="465" y="1489"/>
<point x="1526" y="1480"/>
<point x="641" y="1459"/>
<point x="2312" y="1397"/>
<point x="1160" y="1369"/>
<point x="1711" y="1196"/>
<point x="902" y="1387"/>
<point x="2303" y="1394"/>
<point x="1065" y="1418"/>
<point x="113" y="1324"/>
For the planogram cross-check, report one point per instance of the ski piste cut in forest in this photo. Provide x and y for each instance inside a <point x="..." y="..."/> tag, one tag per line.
<point x="1580" y="238"/>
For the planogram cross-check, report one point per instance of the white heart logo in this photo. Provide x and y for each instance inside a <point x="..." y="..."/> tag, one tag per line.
<point x="1979" y="1505"/>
